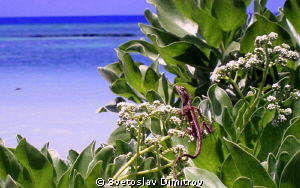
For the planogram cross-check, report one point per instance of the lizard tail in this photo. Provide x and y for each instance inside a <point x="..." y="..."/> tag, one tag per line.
<point x="198" y="149"/>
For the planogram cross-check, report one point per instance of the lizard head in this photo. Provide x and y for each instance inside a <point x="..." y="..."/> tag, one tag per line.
<point x="183" y="93"/>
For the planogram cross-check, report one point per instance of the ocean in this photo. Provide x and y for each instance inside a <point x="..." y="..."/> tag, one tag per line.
<point x="50" y="87"/>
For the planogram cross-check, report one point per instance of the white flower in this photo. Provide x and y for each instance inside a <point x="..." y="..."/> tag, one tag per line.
<point x="271" y="106"/>
<point x="175" y="120"/>
<point x="271" y="98"/>
<point x="282" y="118"/>
<point x="288" y="111"/>
<point x="286" y="46"/>
<point x="276" y="86"/>
<point x="273" y="36"/>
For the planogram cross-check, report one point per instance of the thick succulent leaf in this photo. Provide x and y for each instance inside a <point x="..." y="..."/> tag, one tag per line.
<point x="272" y="168"/>
<point x="212" y="155"/>
<point x="39" y="168"/>
<point x="151" y="96"/>
<point x="111" y="72"/>
<point x="58" y="164"/>
<point x="150" y="80"/>
<point x="152" y="19"/>
<point x="219" y="100"/>
<point x="109" y="75"/>
<point x="123" y="148"/>
<point x="208" y="26"/>
<point x="131" y="71"/>
<point x="172" y="19"/>
<point x="83" y="160"/>
<point x="95" y="173"/>
<point x="242" y="182"/>
<point x="253" y="130"/>
<point x="291" y="11"/>
<point x="229" y="124"/>
<point x="2" y="142"/>
<point x="263" y="27"/>
<point x="106" y="155"/>
<point x="290" y="175"/>
<point x="64" y="181"/>
<point x="248" y="166"/>
<point x="205" y="177"/>
<point x="165" y="89"/>
<point x="119" y="134"/>
<point x="72" y="156"/>
<point x="140" y="46"/>
<point x="9" y="165"/>
<point x="206" y="5"/>
<point x="294" y="129"/>
<point x="270" y="140"/>
<point x="79" y="181"/>
<point x="10" y="183"/>
<point x="229" y="171"/>
<point x="111" y="106"/>
<point x="230" y="14"/>
<point x="120" y="87"/>
<point x="289" y="145"/>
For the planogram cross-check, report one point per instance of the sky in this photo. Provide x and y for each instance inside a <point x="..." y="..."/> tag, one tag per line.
<point x="33" y="8"/>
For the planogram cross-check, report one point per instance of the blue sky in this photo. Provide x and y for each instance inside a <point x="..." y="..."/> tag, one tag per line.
<point x="21" y="8"/>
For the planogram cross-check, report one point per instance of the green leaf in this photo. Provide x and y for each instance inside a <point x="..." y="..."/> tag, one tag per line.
<point x="59" y="166"/>
<point x="230" y="14"/>
<point x="172" y="19"/>
<point x="150" y="80"/>
<point x="123" y="148"/>
<point x="242" y="182"/>
<point x="272" y="168"/>
<point x="229" y="124"/>
<point x="131" y="71"/>
<point x="106" y="155"/>
<point x="248" y="166"/>
<point x="9" y="164"/>
<point x="290" y="175"/>
<point x="64" y="181"/>
<point x="209" y="179"/>
<point x="212" y="155"/>
<point x="72" y="156"/>
<point x="165" y="89"/>
<point x="111" y="106"/>
<point x="293" y="129"/>
<point x="79" y="181"/>
<point x="151" y="96"/>
<point x="253" y="130"/>
<point x="140" y="46"/>
<point x="289" y="145"/>
<point x="119" y="134"/>
<point x="291" y="11"/>
<point x="229" y="172"/>
<point x="152" y="19"/>
<point x="219" y="100"/>
<point x="10" y="183"/>
<point x="263" y="27"/>
<point x="39" y="168"/>
<point x="95" y="173"/>
<point x="120" y="87"/>
<point x="83" y="160"/>
<point x="270" y="140"/>
<point x="206" y="23"/>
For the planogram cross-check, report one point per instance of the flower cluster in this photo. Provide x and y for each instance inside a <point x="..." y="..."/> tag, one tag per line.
<point x="274" y="100"/>
<point x="263" y="49"/>
<point x="157" y="109"/>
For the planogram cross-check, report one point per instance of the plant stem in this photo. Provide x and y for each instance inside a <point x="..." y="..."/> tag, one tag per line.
<point x="239" y="92"/>
<point x="146" y="171"/>
<point x="261" y="87"/>
<point x="136" y="156"/>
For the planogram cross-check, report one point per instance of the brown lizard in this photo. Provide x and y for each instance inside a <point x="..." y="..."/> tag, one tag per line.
<point x="197" y="130"/>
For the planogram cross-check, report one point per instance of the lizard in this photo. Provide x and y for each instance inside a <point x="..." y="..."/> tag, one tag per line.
<point x="197" y="130"/>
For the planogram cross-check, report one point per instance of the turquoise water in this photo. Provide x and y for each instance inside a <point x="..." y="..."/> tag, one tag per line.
<point x="60" y="88"/>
